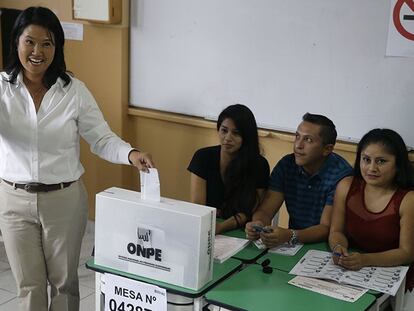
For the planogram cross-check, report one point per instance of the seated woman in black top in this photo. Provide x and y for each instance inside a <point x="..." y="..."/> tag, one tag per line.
<point x="232" y="176"/>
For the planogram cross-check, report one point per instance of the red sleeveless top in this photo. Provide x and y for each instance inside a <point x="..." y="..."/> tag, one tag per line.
<point x="374" y="232"/>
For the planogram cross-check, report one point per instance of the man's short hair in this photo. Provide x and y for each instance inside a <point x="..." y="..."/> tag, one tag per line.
<point x="328" y="130"/>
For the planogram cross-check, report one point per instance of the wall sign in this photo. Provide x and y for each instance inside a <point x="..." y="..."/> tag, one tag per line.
<point x="401" y="29"/>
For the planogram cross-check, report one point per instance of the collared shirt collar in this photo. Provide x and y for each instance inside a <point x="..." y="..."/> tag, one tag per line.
<point x="322" y="170"/>
<point x="19" y="79"/>
<point x="59" y="83"/>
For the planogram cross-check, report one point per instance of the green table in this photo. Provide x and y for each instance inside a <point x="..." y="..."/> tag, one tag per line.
<point x="250" y="253"/>
<point x="286" y="263"/>
<point x="220" y="272"/>
<point x="251" y="289"/>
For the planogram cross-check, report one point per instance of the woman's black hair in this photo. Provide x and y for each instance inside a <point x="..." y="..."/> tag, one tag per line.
<point x="45" y="18"/>
<point x="240" y="176"/>
<point x="393" y="144"/>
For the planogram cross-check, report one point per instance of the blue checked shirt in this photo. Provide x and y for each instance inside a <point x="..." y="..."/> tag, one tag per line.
<point x="305" y="195"/>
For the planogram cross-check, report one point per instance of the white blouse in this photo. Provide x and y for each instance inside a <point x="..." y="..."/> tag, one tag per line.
<point x="44" y="146"/>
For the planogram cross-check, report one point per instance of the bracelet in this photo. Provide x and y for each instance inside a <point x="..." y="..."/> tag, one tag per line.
<point x="237" y="221"/>
<point x="129" y="153"/>
<point x="240" y="220"/>
<point x="294" y="238"/>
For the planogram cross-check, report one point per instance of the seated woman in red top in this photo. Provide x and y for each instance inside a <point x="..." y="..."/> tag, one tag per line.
<point x="233" y="175"/>
<point x="374" y="210"/>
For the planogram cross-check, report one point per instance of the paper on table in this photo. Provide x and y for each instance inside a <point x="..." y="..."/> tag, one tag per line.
<point x="319" y="264"/>
<point x="286" y="249"/>
<point x="226" y="246"/>
<point x="283" y="249"/>
<point x="150" y="185"/>
<point x="343" y="292"/>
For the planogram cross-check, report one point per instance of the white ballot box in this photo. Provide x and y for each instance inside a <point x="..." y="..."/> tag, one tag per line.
<point x="170" y="241"/>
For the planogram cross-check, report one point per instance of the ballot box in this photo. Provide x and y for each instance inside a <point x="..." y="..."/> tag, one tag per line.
<point x="170" y="241"/>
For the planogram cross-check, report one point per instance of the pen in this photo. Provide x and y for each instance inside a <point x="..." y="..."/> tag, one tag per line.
<point x="336" y="253"/>
<point x="259" y="228"/>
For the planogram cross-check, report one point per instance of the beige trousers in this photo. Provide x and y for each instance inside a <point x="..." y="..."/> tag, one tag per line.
<point x="42" y="235"/>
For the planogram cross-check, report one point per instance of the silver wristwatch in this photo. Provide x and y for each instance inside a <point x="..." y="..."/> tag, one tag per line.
<point x="294" y="238"/>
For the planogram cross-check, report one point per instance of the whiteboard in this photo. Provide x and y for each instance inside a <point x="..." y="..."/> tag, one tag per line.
<point x="280" y="58"/>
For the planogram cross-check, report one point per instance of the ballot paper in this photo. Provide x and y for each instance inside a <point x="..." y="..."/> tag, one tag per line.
<point x="282" y="249"/>
<point x="226" y="246"/>
<point x="343" y="292"/>
<point x="150" y="185"/>
<point x="286" y="249"/>
<point x="319" y="264"/>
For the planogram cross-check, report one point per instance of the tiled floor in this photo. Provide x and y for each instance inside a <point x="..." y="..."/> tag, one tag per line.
<point x="86" y="277"/>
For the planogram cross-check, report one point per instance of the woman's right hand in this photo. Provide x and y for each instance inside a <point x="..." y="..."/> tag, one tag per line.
<point x="251" y="233"/>
<point x="141" y="160"/>
<point x="337" y="252"/>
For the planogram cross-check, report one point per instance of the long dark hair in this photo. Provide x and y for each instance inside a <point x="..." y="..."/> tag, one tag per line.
<point x="240" y="176"/>
<point x="45" y="18"/>
<point x="393" y="144"/>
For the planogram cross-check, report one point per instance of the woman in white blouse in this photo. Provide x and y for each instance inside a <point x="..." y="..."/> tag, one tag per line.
<point x="43" y="203"/>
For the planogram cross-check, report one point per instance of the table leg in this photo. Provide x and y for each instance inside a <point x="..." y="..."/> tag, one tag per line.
<point x="97" y="291"/>
<point x="198" y="303"/>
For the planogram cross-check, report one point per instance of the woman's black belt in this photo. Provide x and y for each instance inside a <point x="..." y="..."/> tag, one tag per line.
<point x="35" y="187"/>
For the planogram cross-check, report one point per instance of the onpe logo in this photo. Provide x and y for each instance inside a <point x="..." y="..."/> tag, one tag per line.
<point x="143" y="247"/>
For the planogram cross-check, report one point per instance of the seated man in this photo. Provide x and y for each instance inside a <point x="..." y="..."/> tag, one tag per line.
<point x="306" y="181"/>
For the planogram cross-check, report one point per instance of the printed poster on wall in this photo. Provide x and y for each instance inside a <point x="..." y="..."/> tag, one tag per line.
<point x="401" y="29"/>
